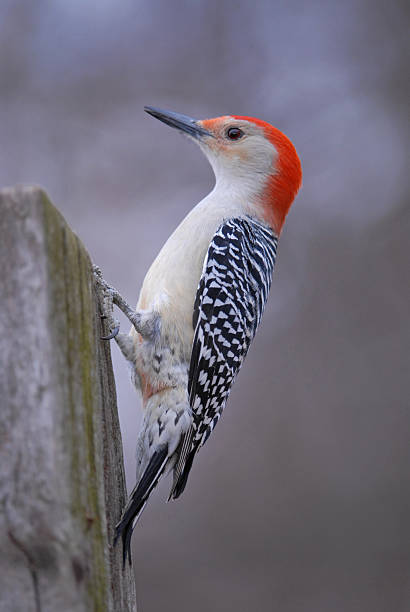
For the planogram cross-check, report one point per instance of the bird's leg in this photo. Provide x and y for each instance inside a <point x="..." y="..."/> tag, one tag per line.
<point x="112" y="296"/>
<point x="124" y="341"/>
<point x="145" y="323"/>
<point x="107" y="305"/>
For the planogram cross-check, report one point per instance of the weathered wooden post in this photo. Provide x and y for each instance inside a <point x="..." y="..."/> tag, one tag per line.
<point x="62" y="481"/>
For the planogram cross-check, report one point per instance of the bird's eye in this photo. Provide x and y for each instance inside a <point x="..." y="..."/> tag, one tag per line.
<point x="234" y="133"/>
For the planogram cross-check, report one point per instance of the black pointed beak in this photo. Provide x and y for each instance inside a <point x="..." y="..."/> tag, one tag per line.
<point x="180" y="122"/>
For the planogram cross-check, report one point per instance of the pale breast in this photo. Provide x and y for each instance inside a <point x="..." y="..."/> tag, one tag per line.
<point x="171" y="283"/>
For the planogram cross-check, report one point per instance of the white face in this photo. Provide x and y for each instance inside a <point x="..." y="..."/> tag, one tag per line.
<point x="240" y="155"/>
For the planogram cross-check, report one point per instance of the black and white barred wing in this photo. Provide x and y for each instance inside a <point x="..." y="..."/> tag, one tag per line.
<point x="229" y="303"/>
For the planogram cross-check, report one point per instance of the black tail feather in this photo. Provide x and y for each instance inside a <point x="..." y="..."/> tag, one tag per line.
<point x="138" y="499"/>
<point x="126" y="544"/>
<point x="179" y="487"/>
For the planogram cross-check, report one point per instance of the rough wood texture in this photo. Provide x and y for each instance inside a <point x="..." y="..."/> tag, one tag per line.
<point x="61" y="468"/>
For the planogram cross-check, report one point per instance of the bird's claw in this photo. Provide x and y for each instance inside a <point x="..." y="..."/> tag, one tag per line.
<point x="110" y="297"/>
<point x="107" y="304"/>
<point x="98" y="277"/>
<point x="112" y="334"/>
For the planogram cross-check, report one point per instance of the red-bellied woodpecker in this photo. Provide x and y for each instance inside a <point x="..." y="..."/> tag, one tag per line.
<point x="203" y="297"/>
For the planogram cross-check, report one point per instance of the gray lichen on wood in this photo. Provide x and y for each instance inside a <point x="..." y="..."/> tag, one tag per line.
<point x="62" y="482"/>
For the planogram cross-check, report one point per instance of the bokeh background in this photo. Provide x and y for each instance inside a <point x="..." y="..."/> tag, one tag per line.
<point x="300" y="501"/>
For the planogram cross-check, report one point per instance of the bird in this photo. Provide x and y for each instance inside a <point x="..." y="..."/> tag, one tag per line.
<point x="203" y="297"/>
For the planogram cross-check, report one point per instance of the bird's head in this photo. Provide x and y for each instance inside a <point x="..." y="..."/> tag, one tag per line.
<point x="250" y="158"/>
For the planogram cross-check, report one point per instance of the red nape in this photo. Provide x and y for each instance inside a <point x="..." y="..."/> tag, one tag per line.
<point x="284" y="184"/>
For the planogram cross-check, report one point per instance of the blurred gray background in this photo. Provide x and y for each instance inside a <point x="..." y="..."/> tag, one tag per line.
<point x="300" y="501"/>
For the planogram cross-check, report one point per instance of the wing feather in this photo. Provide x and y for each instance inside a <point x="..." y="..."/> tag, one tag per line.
<point x="229" y="304"/>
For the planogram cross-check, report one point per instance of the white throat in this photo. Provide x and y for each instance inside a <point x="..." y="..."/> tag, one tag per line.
<point x="242" y="175"/>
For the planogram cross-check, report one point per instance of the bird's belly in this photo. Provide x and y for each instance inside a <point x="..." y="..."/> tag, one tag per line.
<point x="170" y="288"/>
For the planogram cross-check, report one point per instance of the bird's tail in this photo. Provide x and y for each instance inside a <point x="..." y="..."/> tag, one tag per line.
<point x="138" y="499"/>
<point x="186" y="453"/>
<point x="181" y="480"/>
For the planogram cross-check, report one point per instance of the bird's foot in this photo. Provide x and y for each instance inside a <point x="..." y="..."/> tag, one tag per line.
<point x="112" y="296"/>
<point x="107" y="306"/>
<point x="146" y="323"/>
